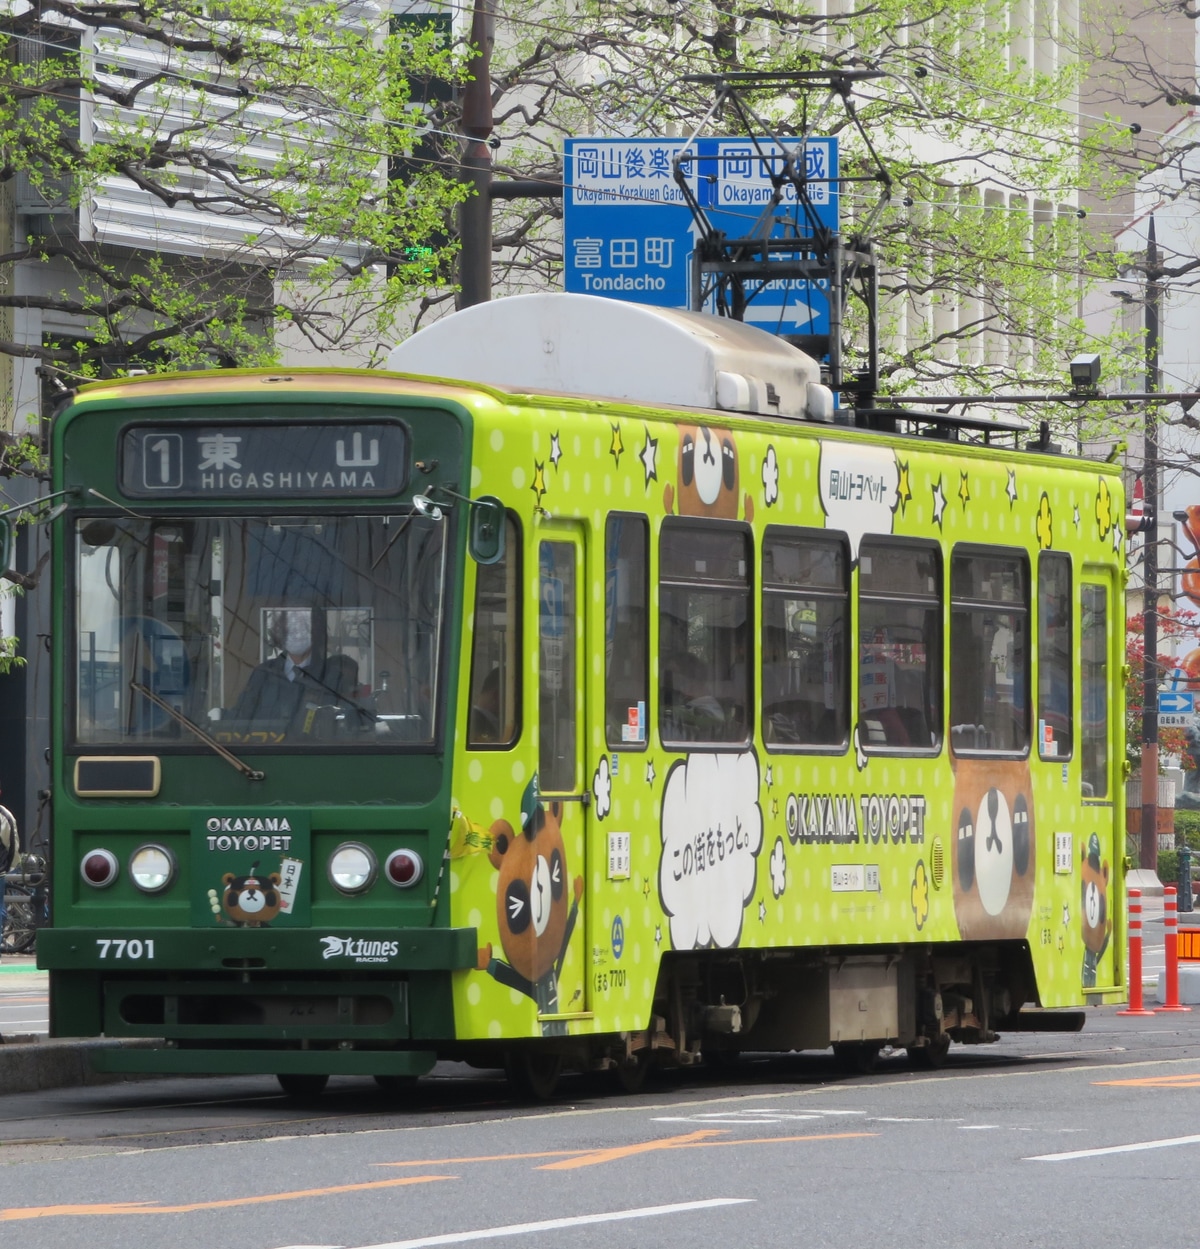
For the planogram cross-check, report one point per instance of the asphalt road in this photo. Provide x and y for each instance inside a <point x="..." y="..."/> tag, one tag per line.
<point x="1039" y="1140"/>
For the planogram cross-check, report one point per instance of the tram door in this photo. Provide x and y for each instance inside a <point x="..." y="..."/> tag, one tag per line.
<point x="1099" y="857"/>
<point x="561" y="718"/>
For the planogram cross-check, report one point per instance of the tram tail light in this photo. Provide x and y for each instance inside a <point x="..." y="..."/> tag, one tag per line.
<point x="99" y="868"/>
<point x="404" y="868"/>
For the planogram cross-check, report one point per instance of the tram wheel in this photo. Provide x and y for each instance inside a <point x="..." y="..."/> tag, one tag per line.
<point x="302" y="1084"/>
<point x="722" y="1059"/>
<point x="397" y="1086"/>
<point x="632" y="1076"/>
<point x="533" y="1074"/>
<point x="857" y="1057"/>
<point x="930" y="1057"/>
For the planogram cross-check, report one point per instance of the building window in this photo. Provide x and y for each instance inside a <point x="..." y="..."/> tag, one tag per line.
<point x="805" y="641"/>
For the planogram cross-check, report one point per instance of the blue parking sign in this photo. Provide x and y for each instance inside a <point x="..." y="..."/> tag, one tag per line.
<point x="629" y="234"/>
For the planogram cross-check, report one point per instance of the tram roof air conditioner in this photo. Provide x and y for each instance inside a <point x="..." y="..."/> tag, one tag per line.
<point x="589" y="345"/>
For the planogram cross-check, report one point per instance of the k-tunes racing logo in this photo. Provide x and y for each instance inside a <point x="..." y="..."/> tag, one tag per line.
<point x="359" y="950"/>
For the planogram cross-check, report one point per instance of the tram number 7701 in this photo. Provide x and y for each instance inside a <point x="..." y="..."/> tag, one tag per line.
<point x="615" y="979"/>
<point x="125" y="947"/>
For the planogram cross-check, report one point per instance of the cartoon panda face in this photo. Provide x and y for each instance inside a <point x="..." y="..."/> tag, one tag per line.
<point x="531" y="896"/>
<point x="993" y="851"/>
<point x="532" y="901"/>
<point x="708" y="473"/>
<point x="993" y="848"/>
<point x="1094" y="885"/>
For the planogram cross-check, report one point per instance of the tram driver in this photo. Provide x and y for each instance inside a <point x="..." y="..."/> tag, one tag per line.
<point x="281" y="685"/>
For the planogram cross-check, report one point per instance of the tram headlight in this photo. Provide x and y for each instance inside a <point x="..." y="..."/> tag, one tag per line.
<point x="404" y="868"/>
<point x="352" y="867"/>
<point x="99" y="868"/>
<point x="152" y="868"/>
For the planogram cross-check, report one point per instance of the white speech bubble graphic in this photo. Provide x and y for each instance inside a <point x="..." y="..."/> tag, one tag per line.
<point x="858" y="489"/>
<point x="711" y="835"/>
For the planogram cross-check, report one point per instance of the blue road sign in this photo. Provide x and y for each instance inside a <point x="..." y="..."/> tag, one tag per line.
<point x="1176" y="702"/>
<point x="629" y="234"/>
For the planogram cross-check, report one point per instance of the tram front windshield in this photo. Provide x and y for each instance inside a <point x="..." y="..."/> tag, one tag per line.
<point x="279" y="633"/>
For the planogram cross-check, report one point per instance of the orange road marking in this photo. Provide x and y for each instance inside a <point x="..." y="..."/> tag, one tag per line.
<point x="1155" y="1082"/>
<point x="573" y="1159"/>
<point x="596" y="1156"/>
<point x="145" y="1207"/>
<point x="691" y="1142"/>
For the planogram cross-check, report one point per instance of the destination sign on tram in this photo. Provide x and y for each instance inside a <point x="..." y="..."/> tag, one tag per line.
<point x="264" y="461"/>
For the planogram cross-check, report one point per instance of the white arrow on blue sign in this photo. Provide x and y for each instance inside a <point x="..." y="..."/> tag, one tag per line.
<point x="1176" y="702"/>
<point x="629" y="234"/>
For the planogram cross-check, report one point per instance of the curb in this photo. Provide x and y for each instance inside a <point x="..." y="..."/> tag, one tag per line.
<point x="29" y="1064"/>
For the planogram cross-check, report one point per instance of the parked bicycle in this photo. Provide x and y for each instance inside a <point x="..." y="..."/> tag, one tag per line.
<point x="23" y="902"/>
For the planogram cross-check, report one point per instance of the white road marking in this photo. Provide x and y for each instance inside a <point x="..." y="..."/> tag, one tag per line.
<point x="980" y="1127"/>
<point x="549" y="1225"/>
<point x="755" y="1115"/>
<point x="1137" y="1147"/>
<point x="907" y="1119"/>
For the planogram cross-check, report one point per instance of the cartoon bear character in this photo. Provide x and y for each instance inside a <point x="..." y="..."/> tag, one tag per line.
<point x="708" y="475"/>
<point x="251" y="901"/>
<point x="1095" y="919"/>
<point x="535" y="907"/>
<point x="992" y="848"/>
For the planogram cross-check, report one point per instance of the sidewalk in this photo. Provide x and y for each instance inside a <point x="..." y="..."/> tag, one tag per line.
<point x="32" y="1061"/>
<point x="20" y="965"/>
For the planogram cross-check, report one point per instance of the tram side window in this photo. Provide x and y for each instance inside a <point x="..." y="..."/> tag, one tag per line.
<point x="626" y="630"/>
<point x="494" y="718"/>
<point x="1055" y="728"/>
<point x="805" y="641"/>
<point x="900" y="646"/>
<point x="1093" y="672"/>
<point x="989" y="651"/>
<point x="705" y="689"/>
<point x="558" y="705"/>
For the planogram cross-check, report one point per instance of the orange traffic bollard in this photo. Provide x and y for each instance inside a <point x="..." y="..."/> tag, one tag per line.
<point x="1171" y="949"/>
<point x="1135" y="956"/>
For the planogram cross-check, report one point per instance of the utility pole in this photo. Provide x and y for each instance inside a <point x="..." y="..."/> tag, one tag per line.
<point x="475" y="214"/>
<point x="1149" y="837"/>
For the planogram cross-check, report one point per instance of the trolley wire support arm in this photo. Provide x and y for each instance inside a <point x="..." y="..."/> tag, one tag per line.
<point x="732" y="271"/>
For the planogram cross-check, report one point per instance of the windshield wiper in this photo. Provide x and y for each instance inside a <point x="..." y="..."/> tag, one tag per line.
<point x="192" y="727"/>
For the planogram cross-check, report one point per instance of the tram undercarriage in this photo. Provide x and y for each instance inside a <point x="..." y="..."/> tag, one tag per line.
<point x="714" y="1006"/>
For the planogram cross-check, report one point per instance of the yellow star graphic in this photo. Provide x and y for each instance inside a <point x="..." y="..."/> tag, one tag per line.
<point x="539" y="480"/>
<point x="964" y="490"/>
<point x="1045" y="523"/>
<point x="617" y="445"/>
<point x="919" y="895"/>
<point x="1104" y="509"/>
<point x="903" y="488"/>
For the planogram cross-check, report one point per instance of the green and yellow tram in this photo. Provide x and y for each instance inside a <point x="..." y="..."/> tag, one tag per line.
<point x="619" y="705"/>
